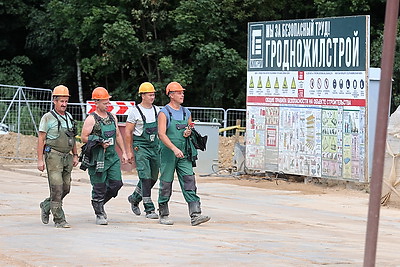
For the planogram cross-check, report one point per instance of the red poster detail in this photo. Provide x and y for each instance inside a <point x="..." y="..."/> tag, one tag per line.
<point x="306" y="101"/>
<point x="271" y="137"/>
<point x="301" y="75"/>
<point x="300" y="93"/>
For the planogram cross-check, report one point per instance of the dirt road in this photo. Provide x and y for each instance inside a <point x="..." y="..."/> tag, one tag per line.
<point x="253" y="223"/>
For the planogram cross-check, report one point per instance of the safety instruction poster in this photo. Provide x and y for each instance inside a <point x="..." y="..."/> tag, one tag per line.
<point x="300" y="141"/>
<point x="307" y="88"/>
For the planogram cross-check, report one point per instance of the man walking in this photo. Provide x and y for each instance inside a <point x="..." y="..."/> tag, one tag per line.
<point x="57" y="131"/>
<point x="100" y="133"/>
<point x="173" y="130"/>
<point x="141" y="126"/>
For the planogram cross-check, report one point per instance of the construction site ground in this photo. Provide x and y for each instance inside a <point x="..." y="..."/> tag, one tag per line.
<point x="254" y="222"/>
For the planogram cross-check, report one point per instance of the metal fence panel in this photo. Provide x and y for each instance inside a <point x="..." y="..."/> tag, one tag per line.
<point x="232" y="115"/>
<point x="207" y="114"/>
<point x="21" y="109"/>
<point x="198" y="113"/>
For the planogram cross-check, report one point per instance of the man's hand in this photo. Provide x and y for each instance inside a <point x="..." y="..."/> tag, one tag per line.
<point x="178" y="153"/>
<point x="124" y="158"/>
<point x="187" y="132"/>
<point x="40" y="165"/>
<point x="130" y="157"/>
<point x="105" y="144"/>
<point x="75" y="160"/>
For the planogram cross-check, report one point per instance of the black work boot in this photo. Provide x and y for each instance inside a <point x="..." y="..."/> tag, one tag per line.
<point x="164" y="212"/>
<point x="98" y="206"/>
<point x="134" y="206"/>
<point x="44" y="212"/>
<point x="195" y="214"/>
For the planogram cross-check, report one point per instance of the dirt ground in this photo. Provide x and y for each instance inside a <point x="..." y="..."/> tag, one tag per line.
<point x="254" y="221"/>
<point x="285" y="221"/>
<point x="9" y="142"/>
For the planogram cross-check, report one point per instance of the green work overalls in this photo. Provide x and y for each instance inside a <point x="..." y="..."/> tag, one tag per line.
<point x="105" y="184"/>
<point x="170" y="163"/>
<point x="59" y="165"/>
<point x="147" y="157"/>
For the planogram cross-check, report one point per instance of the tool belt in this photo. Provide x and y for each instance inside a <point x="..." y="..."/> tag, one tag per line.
<point x="48" y="149"/>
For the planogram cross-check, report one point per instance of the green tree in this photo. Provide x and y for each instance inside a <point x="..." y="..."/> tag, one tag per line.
<point x="199" y="58"/>
<point x="131" y="45"/>
<point x="120" y="44"/>
<point x="329" y="8"/>
<point x="56" y="34"/>
<point x="11" y="71"/>
<point x="208" y="50"/>
<point x="13" y="60"/>
<point x="376" y="56"/>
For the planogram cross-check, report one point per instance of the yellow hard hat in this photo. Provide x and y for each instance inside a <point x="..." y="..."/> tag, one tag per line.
<point x="100" y="93"/>
<point x="173" y="87"/>
<point x="60" y="90"/>
<point x="146" y="87"/>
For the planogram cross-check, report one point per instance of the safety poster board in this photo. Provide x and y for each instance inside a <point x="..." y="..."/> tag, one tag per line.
<point x="307" y="91"/>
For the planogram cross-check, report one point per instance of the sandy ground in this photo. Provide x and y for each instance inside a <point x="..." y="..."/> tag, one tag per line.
<point x="254" y="222"/>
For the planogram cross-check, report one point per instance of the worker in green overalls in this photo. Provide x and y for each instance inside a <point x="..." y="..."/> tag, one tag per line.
<point x="173" y="129"/>
<point x="100" y="133"/>
<point x="56" y="141"/>
<point x="144" y="150"/>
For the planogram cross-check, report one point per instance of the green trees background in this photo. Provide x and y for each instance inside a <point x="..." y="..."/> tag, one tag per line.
<point x="120" y="44"/>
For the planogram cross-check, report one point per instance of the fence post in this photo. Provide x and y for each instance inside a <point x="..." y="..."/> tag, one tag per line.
<point x="225" y="120"/>
<point x="19" y="120"/>
<point x="237" y="132"/>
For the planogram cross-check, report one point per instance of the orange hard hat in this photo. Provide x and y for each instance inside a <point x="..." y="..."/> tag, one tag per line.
<point x="173" y="87"/>
<point x="146" y="87"/>
<point x="100" y="93"/>
<point x="60" y="90"/>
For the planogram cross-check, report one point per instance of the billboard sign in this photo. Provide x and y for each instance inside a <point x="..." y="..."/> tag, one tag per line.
<point x="307" y="86"/>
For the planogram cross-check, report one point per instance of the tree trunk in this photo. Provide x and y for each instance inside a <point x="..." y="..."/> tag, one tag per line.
<point x="79" y="80"/>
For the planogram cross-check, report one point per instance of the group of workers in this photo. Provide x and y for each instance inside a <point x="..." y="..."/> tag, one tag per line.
<point x="146" y="126"/>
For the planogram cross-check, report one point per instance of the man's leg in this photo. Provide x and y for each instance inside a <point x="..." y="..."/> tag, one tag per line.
<point x="99" y="189"/>
<point x="54" y="165"/>
<point x="135" y="198"/>
<point x="113" y="181"/>
<point x="167" y="169"/>
<point x="154" y="160"/>
<point x="187" y="182"/>
<point x="141" y="166"/>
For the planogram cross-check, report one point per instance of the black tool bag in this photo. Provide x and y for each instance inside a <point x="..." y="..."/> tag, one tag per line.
<point x="199" y="141"/>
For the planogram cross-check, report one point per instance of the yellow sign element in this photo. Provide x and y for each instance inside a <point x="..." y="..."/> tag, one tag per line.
<point x="259" y="85"/>
<point x="284" y="83"/>
<point x="293" y="86"/>
<point x="276" y="85"/>
<point x="251" y="85"/>
<point x="268" y="85"/>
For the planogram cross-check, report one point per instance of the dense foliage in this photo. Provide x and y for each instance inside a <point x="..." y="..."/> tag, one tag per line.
<point x="119" y="44"/>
